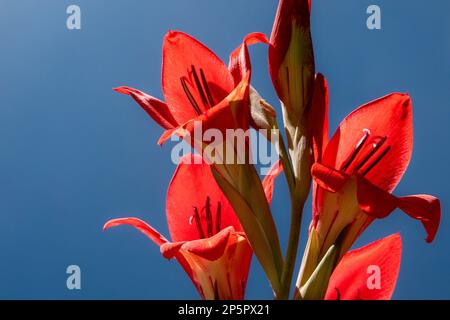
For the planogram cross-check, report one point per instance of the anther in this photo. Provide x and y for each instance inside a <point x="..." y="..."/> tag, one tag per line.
<point x="209" y="221"/>
<point x="377" y="147"/>
<point x="206" y="87"/>
<point x="381" y="156"/>
<point x="198" y="223"/>
<point x="190" y="96"/>
<point x="338" y="294"/>
<point x="199" y="86"/>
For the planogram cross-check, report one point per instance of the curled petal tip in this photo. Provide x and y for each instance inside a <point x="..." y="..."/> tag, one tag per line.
<point x="123" y="90"/>
<point x="109" y="224"/>
<point x="255" y="37"/>
<point x="426" y="209"/>
<point x="171" y="35"/>
<point x="164" y="137"/>
<point x="434" y="222"/>
<point x="403" y="99"/>
<point x="406" y="98"/>
<point x="170" y="250"/>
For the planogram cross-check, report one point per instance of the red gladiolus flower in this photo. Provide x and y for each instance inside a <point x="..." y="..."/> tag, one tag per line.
<point x="202" y="93"/>
<point x="199" y="87"/>
<point x="368" y="273"/>
<point x="356" y="173"/>
<point x="207" y="238"/>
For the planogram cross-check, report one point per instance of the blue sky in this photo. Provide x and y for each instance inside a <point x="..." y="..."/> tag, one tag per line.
<point x="75" y="154"/>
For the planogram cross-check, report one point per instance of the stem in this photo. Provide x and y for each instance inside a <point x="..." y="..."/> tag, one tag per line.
<point x="294" y="232"/>
<point x="287" y="167"/>
<point x="298" y="198"/>
<point x="291" y="252"/>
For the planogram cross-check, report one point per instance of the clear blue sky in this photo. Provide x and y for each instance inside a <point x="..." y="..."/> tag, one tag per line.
<point x="75" y="154"/>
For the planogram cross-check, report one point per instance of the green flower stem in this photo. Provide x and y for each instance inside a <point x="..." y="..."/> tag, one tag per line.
<point x="296" y="219"/>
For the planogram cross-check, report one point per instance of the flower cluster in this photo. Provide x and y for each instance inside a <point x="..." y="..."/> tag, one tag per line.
<point x="218" y="212"/>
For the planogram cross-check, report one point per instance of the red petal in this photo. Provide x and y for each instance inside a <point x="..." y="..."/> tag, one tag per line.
<point x="319" y="117"/>
<point x="325" y="179"/>
<point x="269" y="180"/>
<point x="191" y="184"/>
<point x="171" y="249"/>
<point x="375" y="201"/>
<point x="378" y="203"/>
<point x="210" y="248"/>
<point x="319" y="125"/>
<point x="328" y="178"/>
<point x="154" y="235"/>
<point x="390" y="117"/>
<point x="425" y="208"/>
<point x="239" y="63"/>
<point x="351" y="278"/>
<point x="180" y="53"/>
<point x="158" y="110"/>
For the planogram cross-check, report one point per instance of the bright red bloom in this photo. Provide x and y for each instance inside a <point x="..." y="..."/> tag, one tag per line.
<point x="199" y="87"/>
<point x="207" y="238"/>
<point x="355" y="175"/>
<point x="202" y="93"/>
<point x="368" y="273"/>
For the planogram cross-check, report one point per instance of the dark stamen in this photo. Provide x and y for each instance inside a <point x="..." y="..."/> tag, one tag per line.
<point x="218" y="217"/>
<point x="190" y="96"/>
<point x="198" y="223"/>
<point x="370" y="155"/>
<point x="199" y="87"/>
<point x="338" y="294"/>
<point x="205" y="85"/>
<point x="209" y="220"/>
<point x="355" y="153"/>
<point x="376" y="161"/>
<point x="216" y="289"/>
